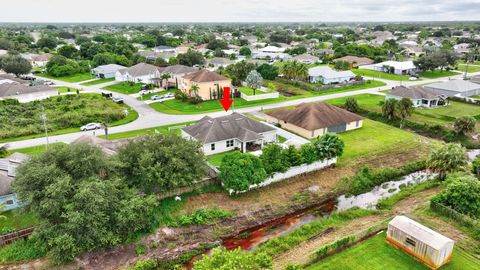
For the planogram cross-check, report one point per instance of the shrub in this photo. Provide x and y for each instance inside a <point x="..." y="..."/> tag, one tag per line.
<point x="239" y="171"/>
<point x="309" y="153"/>
<point x="203" y="216"/>
<point x="328" y="146"/>
<point x="234" y="259"/>
<point x="351" y="105"/>
<point x="274" y="159"/>
<point x="149" y="264"/>
<point x="464" y="124"/>
<point x="293" y="155"/>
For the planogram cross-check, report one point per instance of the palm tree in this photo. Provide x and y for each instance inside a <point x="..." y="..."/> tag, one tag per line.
<point x="194" y="90"/>
<point x="447" y="158"/>
<point x="165" y="77"/>
<point x="405" y="109"/>
<point x="389" y="108"/>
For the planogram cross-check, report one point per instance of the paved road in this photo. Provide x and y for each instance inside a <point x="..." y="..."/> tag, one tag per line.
<point x="149" y="118"/>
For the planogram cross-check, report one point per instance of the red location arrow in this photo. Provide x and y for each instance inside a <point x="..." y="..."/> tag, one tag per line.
<point x="226" y="101"/>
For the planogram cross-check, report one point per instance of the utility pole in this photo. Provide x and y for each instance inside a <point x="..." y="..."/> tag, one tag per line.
<point x="44" y="119"/>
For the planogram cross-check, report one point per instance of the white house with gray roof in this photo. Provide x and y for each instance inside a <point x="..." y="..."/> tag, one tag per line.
<point x="326" y="75"/>
<point x="226" y="133"/>
<point x="420" y="96"/>
<point x="106" y="71"/>
<point x="453" y="88"/>
<point x="141" y="72"/>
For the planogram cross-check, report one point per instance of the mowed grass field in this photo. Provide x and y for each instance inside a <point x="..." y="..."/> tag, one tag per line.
<point x="374" y="254"/>
<point x="99" y="81"/>
<point x="380" y="75"/>
<point x="124" y="88"/>
<point x="71" y="79"/>
<point x="376" y="139"/>
<point x="437" y="74"/>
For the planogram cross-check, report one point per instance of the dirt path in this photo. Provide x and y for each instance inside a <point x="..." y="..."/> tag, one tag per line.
<point x="301" y="253"/>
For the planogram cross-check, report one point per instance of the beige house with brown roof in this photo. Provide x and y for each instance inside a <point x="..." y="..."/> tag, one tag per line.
<point x="355" y="61"/>
<point x="311" y="120"/>
<point x="208" y="83"/>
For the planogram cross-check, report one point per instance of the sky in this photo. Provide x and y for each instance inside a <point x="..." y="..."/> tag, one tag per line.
<point x="84" y="11"/>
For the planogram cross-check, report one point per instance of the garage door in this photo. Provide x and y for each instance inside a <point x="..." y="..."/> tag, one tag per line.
<point x="337" y="129"/>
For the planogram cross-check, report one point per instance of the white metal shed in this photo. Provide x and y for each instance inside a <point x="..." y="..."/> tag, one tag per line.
<point x="428" y="246"/>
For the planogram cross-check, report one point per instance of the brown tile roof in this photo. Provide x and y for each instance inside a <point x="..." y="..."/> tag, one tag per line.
<point x="357" y="61"/>
<point x="235" y="125"/>
<point x="313" y="116"/>
<point x="205" y="76"/>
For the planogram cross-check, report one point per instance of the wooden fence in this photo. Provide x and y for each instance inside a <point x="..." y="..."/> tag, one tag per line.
<point x="9" y="238"/>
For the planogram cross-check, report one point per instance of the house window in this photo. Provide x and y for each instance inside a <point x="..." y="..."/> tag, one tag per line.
<point x="357" y="124"/>
<point x="9" y="202"/>
<point x="410" y="242"/>
<point x="212" y="147"/>
<point x="229" y="143"/>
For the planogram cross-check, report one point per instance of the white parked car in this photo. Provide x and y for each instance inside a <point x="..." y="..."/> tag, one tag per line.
<point x="91" y="126"/>
<point x="144" y="92"/>
<point x="156" y="97"/>
<point x="117" y="99"/>
<point x="169" y="95"/>
<point x="412" y="78"/>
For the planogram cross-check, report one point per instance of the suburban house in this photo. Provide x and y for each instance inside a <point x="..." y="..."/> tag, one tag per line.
<point x="326" y="75"/>
<point x="208" y="82"/>
<point x="24" y="92"/>
<point x="141" y="72"/>
<point x="311" y="120"/>
<point x="176" y="73"/>
<point x="272" y="49"/>
<point x="306" y="58"/>
<point x="355" y="61"/>
<point x="40" y="60"/>
<point x="152" y="56"/>
<point x="219" y="62"/>
<point x="395" y="67"/>
<point x="162" y="49"/>
<point x="462" y="48"/>
<point x="226" y="133"/>
<point x="107" y="71"/>
<point x="8" y="168"/>
<point x="452" y="88"/>
<point x="419" y="241"/>
<point x="420" y="96"/>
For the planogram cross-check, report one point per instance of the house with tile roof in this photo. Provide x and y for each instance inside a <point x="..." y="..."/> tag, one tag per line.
<point x="420" y="96"/>
<point x="230" y="132"/>
<point x="209" y="84"/>
<point x="311" y="120"/>
<point x="327" y="75"/>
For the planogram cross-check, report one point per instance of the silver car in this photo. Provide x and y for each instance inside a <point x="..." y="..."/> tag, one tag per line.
<point x="91" y="126"/>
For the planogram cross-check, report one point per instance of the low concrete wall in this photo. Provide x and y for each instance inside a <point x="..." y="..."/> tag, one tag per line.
<point x="260" y="96"/>
<point x="292" y="172"/>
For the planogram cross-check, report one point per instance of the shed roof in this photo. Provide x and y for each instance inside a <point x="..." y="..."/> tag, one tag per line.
<point x="420" y="232"/>
<point x="313" y="116"/>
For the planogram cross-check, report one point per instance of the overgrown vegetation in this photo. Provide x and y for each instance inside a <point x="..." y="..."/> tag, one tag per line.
<point x="62" y="112"/>
<point x="203" y="216"/>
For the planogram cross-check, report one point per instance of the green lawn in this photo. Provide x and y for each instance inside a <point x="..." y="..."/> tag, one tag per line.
<point x="16" y="219"/>
<point x="124" y="88"/>
<point x="437" y="74"/>
<point x="99" y="81"/>
<point x="65" y="89"/>
<point x="71" y="79"/>
<point x="174" y="128"/>
<point x="32" y="151"/>
<point x="376" y="138"/>
<point x="439" y="115"/>
<point x="380" y="75"/>
<point x="179" y="107"/>
<point x="463" y="62"/>
<point x="216" y="159"/>
<point x="462" y="68"/>
<point x="374" y="254"/>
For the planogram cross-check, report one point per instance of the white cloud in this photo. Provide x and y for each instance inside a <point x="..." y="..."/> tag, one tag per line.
<point x="236" y="10"/>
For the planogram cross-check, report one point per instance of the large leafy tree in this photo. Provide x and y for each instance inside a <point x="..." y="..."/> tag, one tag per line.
<point x="446" y="159"/>
<point x="240" y="70"/>
<point x="160" y="163"/>
<point x="68" y="51"/>
<point x="273" y="159"/>
<point x="191" y="58"/>
<point x="268" y="72"/>
<point x="462" y="194"/>
<point x="405" y="109"/>
<point x="464" y="124"/>
<point x="15" y="64"/>
<point x="328" y="146"/>
<point x="81" y="203"/>
<point x="222" y="259"/>
<point x="254" y="80"/>
<point x="240" y="170"/>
